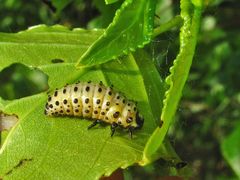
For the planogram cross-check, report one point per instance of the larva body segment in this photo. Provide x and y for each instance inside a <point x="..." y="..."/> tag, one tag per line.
<point x="96" y="102"/>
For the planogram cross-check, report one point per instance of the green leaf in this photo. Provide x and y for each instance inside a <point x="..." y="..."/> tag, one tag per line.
<point x="40" y="147"/>
<point x="178" y="75"/>
<point x="60" y="5"/>
<point x="231" y="150"/>
<point x="110" y="1"/>
<point x="153" y="83"/>
<point x="107" y="12"/>
<point x="27" y="47"/>
<point x="132" y="27"/>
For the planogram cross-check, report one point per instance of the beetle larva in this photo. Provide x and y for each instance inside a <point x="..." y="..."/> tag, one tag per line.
<point x="96" y="102"/>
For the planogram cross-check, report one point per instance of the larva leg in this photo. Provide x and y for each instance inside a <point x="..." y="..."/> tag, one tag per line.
<point x="94" y="124"/>
<point x="113" y="127"/>
<point x="130" y="130"/>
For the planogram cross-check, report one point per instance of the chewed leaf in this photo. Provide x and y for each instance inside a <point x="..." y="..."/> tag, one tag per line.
<point x="62" y="147"/>
<point x="47" y="41"/>
<point x="131" y="28"/>
<point x="7" y="121"/>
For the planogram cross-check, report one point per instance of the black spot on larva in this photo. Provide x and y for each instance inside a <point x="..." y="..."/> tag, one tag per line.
<point x="76" y="110"/>
<point x="64" y="91"/>
<point x="46" y="105"/>
<point x="75" y="100"/>
<point x="128" y="110"/>
<point x="116" y="114"/>
<point x="89" y="106"/>
<point x="57" y="103"/>
<point x="108" y="103"/>
<point x="99" y="89"/>
<point x="119" y="122"/>
<point x="99" y="107"/>
<point x="55" y="93"/>
<point x="55" y="109"/>
<point x="78" y="105"/>
<point x="98" y="101"/>
<point x="86" y="100"/>
<point x="129" y="120"/>
<point x="128" y="104"/>
<point x="87" y="88"/>
<point x="106" y="118"/>
<point x="124" y="101"/>
<point x="118" y="97"/>
<point x="110" y="93"/>
<point x="107" y="109"/>
<point x="57" y="61"/>
<point x="65" y="101"/>
<point x="56" y="113"/>
<point x="60" y="106"/>
<point x="89" y="82"/>
<point x="49" y="99"/>
<point x="61" y="111"/>
<point x="68" y="105"/>
<point x="51" y="106"/>
<point x="135" y="109"/>
<point x="103" y="113"/>
<point x="87" y="111"/>
<point x="75" y="88"/>
<point x="95" y="112"/>
<point x="117" y="104"/>
<point x="52" y="113"/>
<point x="68" y="110"/>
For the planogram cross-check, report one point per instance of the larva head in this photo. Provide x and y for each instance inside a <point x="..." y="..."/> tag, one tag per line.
<point x="130" y="117"/>
<point x="139" y="121"/>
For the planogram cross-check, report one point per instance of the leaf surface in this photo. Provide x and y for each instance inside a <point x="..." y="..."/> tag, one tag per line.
<point x="191" y="14"/>
<point x="231" y="150"/>
<point x="40" y="147"/>
<point x="132" y="27"/>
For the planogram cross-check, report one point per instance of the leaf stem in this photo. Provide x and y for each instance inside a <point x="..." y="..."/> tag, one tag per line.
<point x="176" y="21"/>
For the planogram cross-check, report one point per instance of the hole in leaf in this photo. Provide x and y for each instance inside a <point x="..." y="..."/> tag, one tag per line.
<point x="7" y="121"/>
<point x="57" y="61"/>
<point x="18" y="80"/>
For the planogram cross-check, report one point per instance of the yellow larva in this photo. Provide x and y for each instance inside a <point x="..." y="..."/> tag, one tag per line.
<point x="95" y="102"/>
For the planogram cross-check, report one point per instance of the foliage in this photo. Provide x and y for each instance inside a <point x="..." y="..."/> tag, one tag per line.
<point x="129" y="29"/>
<point x="51" y="134"/>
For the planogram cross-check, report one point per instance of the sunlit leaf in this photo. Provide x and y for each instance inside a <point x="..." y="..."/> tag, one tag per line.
<point x="131" y="28"/>
<point x="40" y="147"/>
